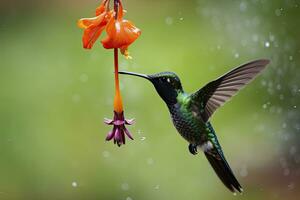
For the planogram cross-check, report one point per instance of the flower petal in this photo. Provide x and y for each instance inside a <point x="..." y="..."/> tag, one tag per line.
<point x="101" y="8"/>
<point x="86" y="22"/>
<point x="123" y="135"/>
<point x="128" y="133"/>
<point x="108" y="121"/>
<point x="120" y="34"/>
<point x="110" y="135"/>
<point x="129" y="121"/>
<point x="119" y="122"/>
<point x="90" y="36"/>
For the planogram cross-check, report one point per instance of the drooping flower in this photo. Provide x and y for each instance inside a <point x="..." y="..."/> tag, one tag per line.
<point x="94" y="26"/>
<point x="120" y="33"/>
<point x="119" y="130"/>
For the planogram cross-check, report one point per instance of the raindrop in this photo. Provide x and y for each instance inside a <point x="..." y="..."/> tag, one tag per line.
<point x="157" y="187"/>
<point x="128" y="198"/>
<point x="76" y="98"/>
<point x="139" y="132"/>
<point x="278" y="87"/>
<point x="143" y="138"/>
<point x="286" y="172"/>
<point x="244" y="172"/>
<point x="150" y="161"/>
<point x="291" y="186"/>
<point x="291" y="58"/>
<point x="84" y="78"/>
<point x="267" y="44"/>
<point x="265" y="106"/>
<point x="74" y="184"/>
<point x="105" y="154"/>
<point x="181" y="18"/>
<point x="293" y="150"/>
<point x="278" y="12"/>
<point x="169" y="20"/>
<point x="295" y="106"/>
<point x="297" y="159"/>
<point x="284" y="125"/>
<point x="255" y="38"/>
<point x="125" y="186"/>
<point x="281" y="96"/>
<point x="243" y="6"/>
<point x="236" y="55"/>
<point x="263" y="82"/>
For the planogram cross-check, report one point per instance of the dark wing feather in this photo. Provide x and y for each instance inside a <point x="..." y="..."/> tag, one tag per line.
<point x="216" y="93"/>
<point x="222" y="169"/>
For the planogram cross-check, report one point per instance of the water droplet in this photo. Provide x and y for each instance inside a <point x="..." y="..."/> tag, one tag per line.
<point x="150" y="161"/>
<point x="236" y="55"/>
<point x="291" y="186"/>
<point x="125" y="186"/>
<point x="128" y="198"/>
<point x="169" y="20"/>
<point x="139" y="132"/>
<point x="255" y="38"/>
<point x="143" y="138"/>
<point x="297" y="159"/>
<point x="267" y="44"/>
<point x="105" y="154"/>
<point x="286" y="172"/>
<point x="84" y="78"/>
<point x="291" y="58"/>
<point x="293" y="150"/>
<point x="295" y="106"/>
<point x="278" y="12"/>
<point x="74" y="184"/>
<point x="76" y="98"/>
<point x="284" y="125"/>
<point x="181" y="18"/>
<point x="243" y="6"/>
<point x="265" y="106"/>
<point x="157" y="187"/>
<point x="244" y="171"/>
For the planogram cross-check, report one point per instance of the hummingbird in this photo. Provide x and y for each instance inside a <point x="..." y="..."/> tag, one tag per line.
<point x="191" y="113"/>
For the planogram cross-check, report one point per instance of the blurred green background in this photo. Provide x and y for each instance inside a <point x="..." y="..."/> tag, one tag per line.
<point x="54" y="96"/>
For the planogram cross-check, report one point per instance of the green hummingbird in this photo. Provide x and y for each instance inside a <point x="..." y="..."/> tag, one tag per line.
<point x="190" y="113"/>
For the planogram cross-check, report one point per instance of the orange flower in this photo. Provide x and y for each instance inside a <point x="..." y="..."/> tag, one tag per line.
<point x="93" y="27"/>
<point x="120" y="33"/>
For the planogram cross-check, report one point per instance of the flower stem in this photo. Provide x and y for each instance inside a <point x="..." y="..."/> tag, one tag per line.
<point x="118" y="105"/>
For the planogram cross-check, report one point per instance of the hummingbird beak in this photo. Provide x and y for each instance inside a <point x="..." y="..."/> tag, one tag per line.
<point x="135" y="74"/>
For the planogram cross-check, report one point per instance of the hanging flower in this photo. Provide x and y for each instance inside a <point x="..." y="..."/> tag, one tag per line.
<point x="93" y="27"/>
<point x="120" y="33"/>
<point x="119" y="130"/>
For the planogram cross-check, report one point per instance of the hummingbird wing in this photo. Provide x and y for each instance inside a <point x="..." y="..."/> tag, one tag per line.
<point x="216" y="93"/>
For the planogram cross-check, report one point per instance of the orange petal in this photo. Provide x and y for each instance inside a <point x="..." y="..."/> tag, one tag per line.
<point x="86" y="22"/>
<point x="120" y="33"/>
<point x="101" y="8"/>
<point x="90" y="36"/>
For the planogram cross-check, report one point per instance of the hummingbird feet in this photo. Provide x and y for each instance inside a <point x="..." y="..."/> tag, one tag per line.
<point x="193" y="149"/>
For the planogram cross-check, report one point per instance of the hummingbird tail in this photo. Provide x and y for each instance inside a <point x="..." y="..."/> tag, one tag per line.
<point x="222" y="169"/>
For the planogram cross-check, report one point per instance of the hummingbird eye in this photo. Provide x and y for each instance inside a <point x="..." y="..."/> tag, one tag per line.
<point x="168" y="80"/>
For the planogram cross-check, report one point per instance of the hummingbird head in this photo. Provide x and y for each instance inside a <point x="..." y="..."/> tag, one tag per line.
<point x="167" y="84"/>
